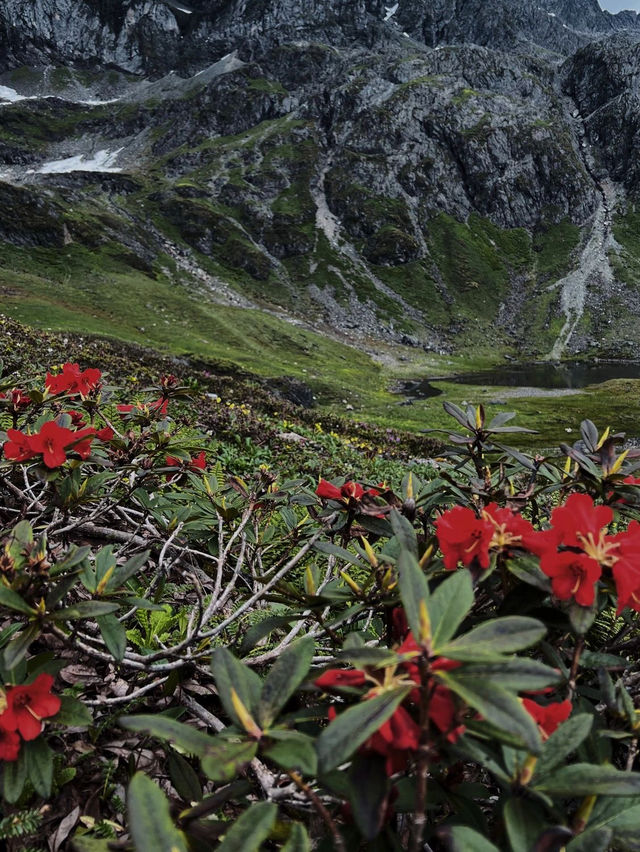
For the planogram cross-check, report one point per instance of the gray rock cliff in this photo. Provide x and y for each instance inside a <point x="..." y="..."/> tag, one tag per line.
<point x="416" y="171"/>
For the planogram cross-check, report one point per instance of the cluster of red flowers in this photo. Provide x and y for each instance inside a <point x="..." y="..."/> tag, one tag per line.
<point x="195" y="465"/>
<point x="464" y="537"/>
<point x="16" y="398"/>
<point x="25" y="708"/>
<point x="158" y="406"/>
<point x="73" y="381"/>
<point x="578" y="549"/>
<point x="398" y="738"/>
<point x="573" y="552"/>
<point x="350" y="493"/>
<point x="52" y="442"/>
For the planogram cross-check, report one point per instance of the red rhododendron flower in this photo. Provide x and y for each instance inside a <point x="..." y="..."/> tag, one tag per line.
<point x="195" y="464"/>
<point x="442" y="712"/>
<point x="159" y="406"/>
<point x="350" y="491"/>
<point x="395" y="740"/>
<point x="72" y="380"/>
<point x="573" y="575"/>
<point x="17" y="448"/>
<point x="28" y="705"/>
<point x="77" y="419"/>
<point x="338" y="678"/>
<point x="463" y="537"/>
<point x="581" y="524"/>
<point x="51" y="441"/>
<point x="83" y="447"/>
<point x="9" y="744"/>
<point x="548" y="716"/>
<point x="17" y="398"/>
<point x="626" y="569"/>
<point x="510" y="529"/>
<point x="105" y="434"/>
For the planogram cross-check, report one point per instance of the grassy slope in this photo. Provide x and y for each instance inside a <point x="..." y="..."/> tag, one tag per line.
<point x="128" y="305"/>
<point x="98" y="290"/>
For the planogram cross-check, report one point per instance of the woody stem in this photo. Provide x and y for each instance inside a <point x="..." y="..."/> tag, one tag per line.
<point x="420" y="809"/>
<point x="338" y="840"/>
<point x="575" y="662"/>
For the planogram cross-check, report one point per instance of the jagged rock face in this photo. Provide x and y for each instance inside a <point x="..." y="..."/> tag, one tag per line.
<point x="413" y="170"/>
<point x="561" y="26"/>
<point x="155" y="36"/>
<point x="454" y="132"/>
<point x="604" y="80"/>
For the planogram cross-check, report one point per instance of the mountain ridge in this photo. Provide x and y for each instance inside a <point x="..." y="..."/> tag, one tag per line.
<point x="369" y="169"/>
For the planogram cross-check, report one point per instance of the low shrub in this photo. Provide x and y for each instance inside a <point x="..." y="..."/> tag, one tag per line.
<point x="192" y="660"/>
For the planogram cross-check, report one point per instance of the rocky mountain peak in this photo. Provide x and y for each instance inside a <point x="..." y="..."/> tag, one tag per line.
<point x="430" y="172"/>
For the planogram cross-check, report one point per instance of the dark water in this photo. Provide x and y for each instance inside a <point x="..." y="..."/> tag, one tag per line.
<point x="569" y="374"/>
<point x="542" y="374"/>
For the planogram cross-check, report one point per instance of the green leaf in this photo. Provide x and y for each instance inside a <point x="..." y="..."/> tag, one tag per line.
<point x="517" y="673"/>
<point x="150" y="823"/>
<point x="527" y="569"/>
<point x="366" y="656"/>
<point x="14" y="774"/>
<point x="621" y="815"/>
<point x="39" y="759"/>
<point x="293" y="750"/>
<point x="498" y="706"/>
<point x="229" y="673"/>
<point x="126" y="571"/>
<point x="285" y="676"/>
<point x="105" y="564"/>
<point x="73" y="557"/>
<point x="592" y="841"/>
<point x="525" y="822"/>
<point x="84" y="843"/>
<point x="350" y="729"/>
<point x="582" y="617"/>
<point x="184" y="777"/>
<point x="335" y="550"/>
<point x="263" y="628"/>
<point x="563" y="741"/>
<point x="15" y="651"/>
<point x="586" y="779"/>
<point x="597" y="660"/>
<point x="404" y="532"/>
<point x="448" y="606"/>
<point x="369" y="787"/>
<point x="169" y="730"/>
<point x="225" y="758"/>
<point x="464" y="839"/>
<point x="298" y="839"/>
<point x="84" y="609"/>
<point x="494" y="638"/>
<point x="12" y="600"/>
<point x="249" y="832"/>
<point x="114" y="634"/>
<point x="414" y="590"/>
<point x="72" y="713"/>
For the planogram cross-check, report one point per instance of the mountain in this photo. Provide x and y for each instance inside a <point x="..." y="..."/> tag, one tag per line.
<point x="448" y="174"/>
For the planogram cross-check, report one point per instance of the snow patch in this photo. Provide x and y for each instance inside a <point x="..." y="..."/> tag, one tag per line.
<point x="101" y="161"/>
<point x="391" y="10"/>
<point x="10" y="95"/>
<point x="95" y="102"/>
